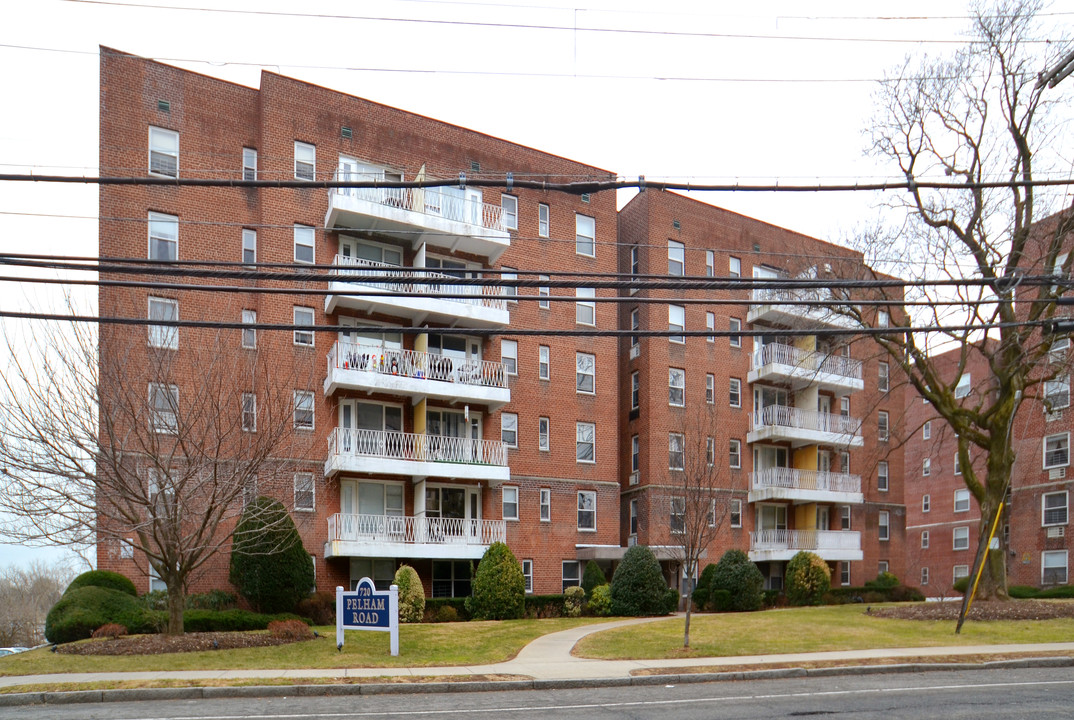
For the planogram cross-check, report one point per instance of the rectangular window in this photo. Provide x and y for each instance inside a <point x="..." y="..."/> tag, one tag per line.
<point x="844" y="462"/>
<point x="710" y="263"/>
<point x="635" y="453"/>
<point x="635" y="261"/>
<point x="544" y="369"/>
<point x="509" y="356"/>
<point x="734" y="267"/>
<point x="735" y="395"/>
<point x="303" y="401"/>
<point x="1057" y="393"/>
<point x="249" y="412"/>
<point x="304" y="491"/>
<point x="585" y="441"/>
<point x="736" y="513"/>
<point x="958" y="465"/>
<point x="676" y="445"/>
<point x="1057" y="451"/>
<point x="527" y="575"/>
<point x="587" y="510"/>
<point x="585" y="309"/>
<point x="883" y="526"/>
<point x="924" y="576"/>
<point x="677" y="519"/>
<point x="163" y="237"/>
<point x="710" y="451"/>
<point x="635" y="325"/>
<point x="249" y="164"/>
<point x="633" y="521"/>
<point x="882" y="476"/>
<point x="926" y="430"/>
<point x="543" y="293"/>
<point x="959" y="571"/>
<point x="881" y="567"/>
<point x="735" y="325"/>
<point x="924" y="539"/>
<point x="710" y="324"/>
<point x="510" y="503"/>
<point x="676" y="387"/>
<point x="572" y="574"/>
<point x="163" y="336"/>
<point x="543" y="442"/>
<point x="926" y="503"/>
<point x="844" y="517"/>
<point x="961" y="538"/>
<point x="735" y="454"/>
<point x="882" y="429"/>
<point x="585" y="234"/>
<point x="710" y="388"/>
<point x="635" y="389"/>
<point x="249" y="246"/>
<point x="844" y="573"/>
<point x="962" y="388"/>
<point x="304" y="244"/>
<point x="163" y="152"/>
<point x="509" y="205"/>
<point x="585" y="373"/>
<point x="164" y="408"/>
<point x="1053" y="567"/>
<point x="546" y="505"/>
<point x="926" y="467"/>
<point x="305" y="161"/>
<point x="882" y="318"/>
<point x="844" y="406"/>
<point x="962" y="500"/>
<point x="509" y="429"/>
<point x="676" y="258"/>
<point x="249" y="335"/>
<point x="1054" y="509"/>
<point x="676" y="322"/>
<point x="542" y="220"/>
<point x="303" y="317"/>
<point x="508" y="276"/>
<point x="883" y="381"/>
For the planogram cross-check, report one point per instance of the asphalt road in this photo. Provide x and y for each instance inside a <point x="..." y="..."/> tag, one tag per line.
<point x="1032" y="693"/>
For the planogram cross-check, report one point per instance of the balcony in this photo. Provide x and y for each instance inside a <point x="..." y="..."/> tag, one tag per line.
<point x="767" y="545"/>
<point x="778" y="306"/>
<point x="410" y="293"/>
<point x="385" y="452"/>
<point x="780" y="483"/>
<point x="416" y="375"/>
<point x="804" y="427"/>
<point x="800" y="368"/>
<point x="441" y="216"/>
<point x="411" y="537"/>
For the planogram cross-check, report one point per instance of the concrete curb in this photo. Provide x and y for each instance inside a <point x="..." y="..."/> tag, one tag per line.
<point x="268" y="691"/>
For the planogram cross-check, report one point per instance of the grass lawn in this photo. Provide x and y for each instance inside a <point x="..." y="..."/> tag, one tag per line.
<point x="815" y="629"/>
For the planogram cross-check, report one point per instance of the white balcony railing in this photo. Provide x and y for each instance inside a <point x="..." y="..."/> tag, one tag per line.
<point x="427" y="201"/>
<point x="812" y="362"/>
<point x="414" y="530"/>
<point x="799" y="419"/>
<point x="776" y="296"/>
<point x="415" y="447"/>
<point x="810" y="480"/>
<point x="414" y="364"/>
<point x="415" y="281"/>
<point x="844" y="540"/>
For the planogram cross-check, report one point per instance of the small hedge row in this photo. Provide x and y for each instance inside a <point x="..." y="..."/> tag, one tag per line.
<point x="233" y="620"/>
<point x="1028" y="592"/>
<point x="897" y="593"/>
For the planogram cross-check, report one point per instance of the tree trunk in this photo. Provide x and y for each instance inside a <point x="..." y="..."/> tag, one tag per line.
<point x="686" y="632"/>
<point x="176" y="605"/>
<point x="993" y="582"/>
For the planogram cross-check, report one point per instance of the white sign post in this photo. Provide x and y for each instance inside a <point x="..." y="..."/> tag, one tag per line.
<point x="366" y="608"/>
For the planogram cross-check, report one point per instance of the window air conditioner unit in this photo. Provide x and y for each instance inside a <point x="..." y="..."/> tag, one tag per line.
<point x="635" y="350"/>
<point x="1053" y="416"/>
<point x="632" y="541"/>
<point x="1057" y="532"/>
<point x="635" y="477"/>
<point x="1057" y="473"/>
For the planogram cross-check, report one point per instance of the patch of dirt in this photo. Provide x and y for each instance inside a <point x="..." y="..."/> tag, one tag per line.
<point x="985" y="610"/>
<point x="159" y="644"/>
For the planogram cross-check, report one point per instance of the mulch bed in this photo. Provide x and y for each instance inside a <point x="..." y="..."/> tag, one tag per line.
<point x="990" y="610"/>
<point x="159" y="644"/>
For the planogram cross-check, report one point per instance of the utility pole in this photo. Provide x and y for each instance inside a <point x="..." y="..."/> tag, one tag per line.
<point x="1062" y="69"/>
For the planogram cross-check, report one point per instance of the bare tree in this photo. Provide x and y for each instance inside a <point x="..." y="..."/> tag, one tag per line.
<point x="976" y="116"/>
<point x="145" y="448"/>
<point x="26" y="595"/>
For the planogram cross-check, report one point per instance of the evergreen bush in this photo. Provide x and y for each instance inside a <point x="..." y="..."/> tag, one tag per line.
<point x="269" y="565"/>
<point x="1057" y="592"/>
<point x="411" y="594"/>
<point x="883" y="580"/>
<point x="961" y="585"/>
<point x="638" y="587"/>
<point x="600" y="604"/>
<point x="744" y="583"/>
<point x="105" y="579"/>
<point x="703" y="592"/>
<point x="84" y="609"/>
<point x="592" y="577"/>
<point x="808" y="578"/>
<point x="573" y="599"/>
<point x="1022" y="592"/>
<point x="499" y="587"/>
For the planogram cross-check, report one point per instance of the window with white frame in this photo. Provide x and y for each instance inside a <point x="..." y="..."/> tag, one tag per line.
<point x="881" y="567"/>
<point x="164" y="408"/>
<point x="303" y="416"/>
<point x="960" y="538"/>
<point x="546" y="504"/>
<point x="883" y="382"/>
<point x="959" y="571"/>
<point x="677" y="519"/>
<point x="585" y="373"/>
<point x="1057" y="393"/>
<point x="527" y="575"/>
<point x="543" y="220"/>
<point x="585" y="235"/>
<point x="543" y="441"/>
<point x="844" y="462"/>
<point x="710" y="388"/>
<point x="635" y="389"/>
<point x="635" y="325"/>
<point x="1057" y="451"/>
<point x="509" y="429"/>
<point x="735" y="392"/>
<point x="924" y="576"/>
<point x="882" y="318"/>
<point x="509" y="205"/>
<point x="543" y="293"/>
<point x="676" y="322"/>
<point x="926" y="430"/>
<point x="508" y="276"/>
<point x="710" y="451"/>
<point x="958" y="465"/>
<point x="303" y="316"/>
<point x="587" y="510"/>
<point x="572" y="573"/>
<point x="676" y="451"/>
<point x="304" y="238"/>
<point x="844" y="406"/>
<point x="882" y="428"/>
<point x="633" y="522"/>
<point x="924" y="539"/>
<point x="635" y="453"/>
<point x="882" y="476"/>
<point x="304" y="492"/>
<point x="926" y="467"/>
<point x="736" y="513"/>
<point x="544" y="370"/>
<point x="676" y="258"/>
<point x="1053" y="508"/>
<point x="1053" y="567"/>
<point x="509" y="356"/>
<point x="163" y="152"/>
<point x="735" y="454"/>
<point x="585" y="309"/>
<point x="844" y="573"/>
<point x="635" y="261"/>
<point x="734" y="267"/>
<point x="305" y="161"/>
<point x="735" y="325"/>
<point x="249" y="412"/>
<point x="249" y="246"/>
<point x="676" y="387"/>
<point x="249" y="164"/>
<point x="249" y="335"/>
<point x="962" y="501"/>
<point x="962" y="388"/>
<point x="510" y="502"/>
<point x="163" y="237"/>
<point x="883" y="524"/>
<point x="926" y="503"/>
<point x="710" y="324"/>
<point x="844" y="517"/>
<point x="585" y="442"/>
<point x="710" y="263"/>
<point x="163" y="336"/>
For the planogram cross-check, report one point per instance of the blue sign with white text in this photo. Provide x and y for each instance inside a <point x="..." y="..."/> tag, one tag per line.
<point x="365" y="607"/>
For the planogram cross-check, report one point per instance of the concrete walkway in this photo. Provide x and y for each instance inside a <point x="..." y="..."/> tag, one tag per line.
<point x="548" y="658"/>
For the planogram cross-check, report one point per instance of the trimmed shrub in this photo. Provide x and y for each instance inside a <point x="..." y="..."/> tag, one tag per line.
<point x="231" y="620"/>
<point x="600" y="603"/>
<point x="411" y="594"/>
<point x="720" y="600"/>
<point x="544" y="606"/>
<point x="290" y="630"/>
<point x="671" y="601"/>
<point x="1060" y="591"/>
<point x="499" y="586"/>
<point x="82" y="610"/>
<point x="269" y="565"/>
<point x="109" y="630"/>
<point x="433" y="606"/>
<point x="320" y="607"/>
<point x="702" y="593"/>
<point x="1022" y="592"/>
<point x="573" y="597"/>
<point x="104" y="579"/>
<point x="212" y="600"/>
<point x="744" y="583"/>
<point x="774" y="598"/>
<point x="883" y="581"/>
<point x="638" y="586"/>
<point x="447" y="613"/>
<point x="592" y="577"/>
<point x="808" y="578"/>
<point x="961" y="585"/>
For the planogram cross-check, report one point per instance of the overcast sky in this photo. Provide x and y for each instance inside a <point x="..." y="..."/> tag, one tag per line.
<point x="701" y="91"/>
